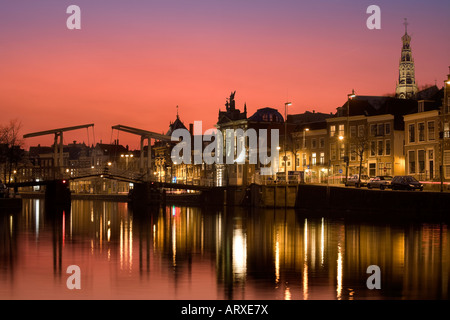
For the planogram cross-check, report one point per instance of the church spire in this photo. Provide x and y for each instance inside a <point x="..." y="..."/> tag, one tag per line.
<point x="406" y="87"/>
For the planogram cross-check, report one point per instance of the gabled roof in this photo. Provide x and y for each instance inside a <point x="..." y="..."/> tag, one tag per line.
<point x="308" y="117"/>
<point x="111" y="149"/>
<point x="177" y="124"/>
<point x="358" y="107"/>
<point x="428" y="93"/>
<point x="311" y="126"/>
<point x="37" y="150"/>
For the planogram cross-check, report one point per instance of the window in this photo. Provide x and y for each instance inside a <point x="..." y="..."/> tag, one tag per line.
<point x="380" y="147"/>
<point x="361" y="130"/>
<point x="321" y="142"/>
<point x="314" y="159"/>
<point x="412" y="133"/>
<point x="352" y="131"/>
<point x="341" y="130"/>
<point x="380" y="129"/>
<point x="373" y="130"/>
<point x="372" y="169"/>
<point x="333" y="151"/>
<point x="412" y="161"/>
<point x="342" y="151"/>
<point x="388" y="169"/>
<point x="373" y="148"/>
<point x="304" y="160"/>
<point x="421" y="156"/>
<point x="421" y="129"/>
<point x="446" y="130"/>
<point x="313" y="143"/>
<point x="297" y="161"/>
<point x="387" y="128"/>
<point x="430" y="154"/>
<point x="332" y="131"/>
<point x="353" y="152"/>
<point x="381" y="169"/>
<point x="388" y="147"/>
<point x="431" y="130"/>
<point x="322" y="158"/>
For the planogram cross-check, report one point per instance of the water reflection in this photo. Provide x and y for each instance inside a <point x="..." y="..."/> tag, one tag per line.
<point x="223" y="253"/>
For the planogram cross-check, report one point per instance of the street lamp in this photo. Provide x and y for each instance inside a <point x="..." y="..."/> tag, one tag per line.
<point x="286" y="104"/>
<point x="347" y="159"/>
<point x="304" y="137"/>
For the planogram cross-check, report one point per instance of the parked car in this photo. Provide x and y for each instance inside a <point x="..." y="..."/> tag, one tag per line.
<point x="405" y="183"/>
<point x="381" y="182"/>
<point x="354" y="181"/>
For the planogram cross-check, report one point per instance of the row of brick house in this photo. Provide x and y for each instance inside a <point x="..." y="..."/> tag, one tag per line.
<point x="383" y="135"/>
<point x="377" y="135"/>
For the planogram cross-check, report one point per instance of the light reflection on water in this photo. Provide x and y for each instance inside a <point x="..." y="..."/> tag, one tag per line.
<point x="223" y="253"/>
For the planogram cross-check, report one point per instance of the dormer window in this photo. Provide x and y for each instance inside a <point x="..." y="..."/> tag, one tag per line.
<point x="421" y="106"/>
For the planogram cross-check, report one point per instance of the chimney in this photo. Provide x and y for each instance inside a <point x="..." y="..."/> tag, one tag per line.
<point x="191" y="128"/>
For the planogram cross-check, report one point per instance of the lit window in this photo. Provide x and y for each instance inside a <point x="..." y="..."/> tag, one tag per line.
<point x="332" y="131"/>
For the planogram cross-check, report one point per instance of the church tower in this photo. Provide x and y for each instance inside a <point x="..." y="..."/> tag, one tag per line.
<point x="406" y="86"/>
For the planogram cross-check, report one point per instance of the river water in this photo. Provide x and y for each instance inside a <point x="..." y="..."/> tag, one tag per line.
<point x="214" y="254"/>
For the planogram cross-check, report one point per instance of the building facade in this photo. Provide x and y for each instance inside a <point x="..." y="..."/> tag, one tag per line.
<point x="422" y="145"/>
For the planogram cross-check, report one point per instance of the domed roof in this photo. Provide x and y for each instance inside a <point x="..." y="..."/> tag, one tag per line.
<point x="267" y="115"/>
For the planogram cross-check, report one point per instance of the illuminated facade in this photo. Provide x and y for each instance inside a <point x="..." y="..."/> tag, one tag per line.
<point x="406" y="86"/>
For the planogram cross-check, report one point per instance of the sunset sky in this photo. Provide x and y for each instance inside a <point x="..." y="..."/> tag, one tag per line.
<point x="134" y="61"/>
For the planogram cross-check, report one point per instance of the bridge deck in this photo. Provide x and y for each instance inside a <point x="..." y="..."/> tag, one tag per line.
<point x="156" y="184"/>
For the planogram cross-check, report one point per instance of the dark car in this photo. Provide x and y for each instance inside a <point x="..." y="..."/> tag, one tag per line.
<point x="405" y="183"/>
<point x="381" y="182"/>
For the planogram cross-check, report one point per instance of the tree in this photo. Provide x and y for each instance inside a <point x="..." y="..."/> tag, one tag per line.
<point x="360" y="146"/>
<point x="10" y="147"/>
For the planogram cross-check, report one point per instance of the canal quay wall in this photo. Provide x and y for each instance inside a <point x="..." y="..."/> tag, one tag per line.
<point x="334" y="198"/>
<point x="314" y="196"/>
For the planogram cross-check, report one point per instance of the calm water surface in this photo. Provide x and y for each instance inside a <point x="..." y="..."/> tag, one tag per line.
<point x="226" y="253"/>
